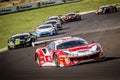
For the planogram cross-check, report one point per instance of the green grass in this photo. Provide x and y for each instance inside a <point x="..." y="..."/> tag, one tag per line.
<point x="28" y="20"/>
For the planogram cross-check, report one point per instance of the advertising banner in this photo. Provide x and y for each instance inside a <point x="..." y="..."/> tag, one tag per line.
<point x="33" y="5"/>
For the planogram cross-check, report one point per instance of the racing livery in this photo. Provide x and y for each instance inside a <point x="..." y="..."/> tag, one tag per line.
<point x="54" y="23"/>
<point x="67" y="51"/>
<point x="106" y="9"/>
<point x="46" y="29"/>
<point x="23" y="39"/>
<point x="72" y="17"/>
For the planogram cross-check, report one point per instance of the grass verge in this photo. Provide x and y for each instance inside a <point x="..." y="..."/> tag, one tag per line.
<point x="28" y="20"/>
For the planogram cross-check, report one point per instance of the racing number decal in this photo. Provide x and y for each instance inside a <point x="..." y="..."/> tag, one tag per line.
<point x="17" y="41"/>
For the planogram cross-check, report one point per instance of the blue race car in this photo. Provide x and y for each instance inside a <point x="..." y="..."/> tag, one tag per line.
<point x="46" y="29"/>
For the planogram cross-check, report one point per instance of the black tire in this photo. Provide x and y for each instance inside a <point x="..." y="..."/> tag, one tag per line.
<point x="61" y="21"/>
<point x="79" y="18"/>
<point x="32" y="40"/>
<point x="37" y="60"/>
<point x="55" y="59"/>
<point x="9" y="48"/>
<point x="107" y="11"/>
<point x="115" y="9"/>
<point x="103" y="58"/>
<point x="56" y="32"/>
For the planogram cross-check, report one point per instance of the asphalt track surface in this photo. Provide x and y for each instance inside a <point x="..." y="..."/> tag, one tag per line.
<point x="19" y="64"/>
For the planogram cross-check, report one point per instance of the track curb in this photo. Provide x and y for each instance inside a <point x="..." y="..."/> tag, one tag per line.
<point x="3" y="49"/>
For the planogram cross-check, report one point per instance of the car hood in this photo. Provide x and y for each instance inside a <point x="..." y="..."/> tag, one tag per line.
<point x="72" y="16"/>
<point x="78" y="48"/>
<point x="43" y="30"/>
<point x="81" y="50"/>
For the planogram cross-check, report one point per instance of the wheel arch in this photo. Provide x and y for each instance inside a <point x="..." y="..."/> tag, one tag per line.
<point x="35" y="56"/>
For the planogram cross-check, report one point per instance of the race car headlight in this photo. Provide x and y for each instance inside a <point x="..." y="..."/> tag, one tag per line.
<point x="95" y="49"/>
<point x="67" y="60"/>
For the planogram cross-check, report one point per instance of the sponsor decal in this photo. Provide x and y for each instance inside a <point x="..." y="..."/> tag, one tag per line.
<point x="70" y="0"/>
<point x="23" y="7"/>
<point x="47" y="3"/>
<point x="5" y="10"/>
<point x="64" y="1"/>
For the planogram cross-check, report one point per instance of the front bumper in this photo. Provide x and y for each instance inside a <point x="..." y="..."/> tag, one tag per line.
<point x="39" y="34"/>
<point x="68" y="61"/>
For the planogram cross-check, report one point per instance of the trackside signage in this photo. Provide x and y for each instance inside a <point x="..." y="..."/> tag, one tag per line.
<point x="33" y="5"/>
<point x="26" y="7"/>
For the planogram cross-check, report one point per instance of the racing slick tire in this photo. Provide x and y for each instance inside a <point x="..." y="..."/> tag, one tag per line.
<point x="32" y="40"/>
<point x="55" y="59"/>
<point x="107" y="11"/>
<point x="115" y="9"/>
<point x="9" y="48"/>
<point x="37" y="59"/>
<point x="78" y="18"/>
<point x="56" y="32"/>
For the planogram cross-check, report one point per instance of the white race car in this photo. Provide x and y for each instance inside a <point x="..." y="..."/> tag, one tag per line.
<point x="55" y="23"/>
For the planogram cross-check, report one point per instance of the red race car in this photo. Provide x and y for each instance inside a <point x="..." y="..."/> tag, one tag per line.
<point x="67" y="51"/>
<point x="106" y="9"/>
<point x="72" y="17"/>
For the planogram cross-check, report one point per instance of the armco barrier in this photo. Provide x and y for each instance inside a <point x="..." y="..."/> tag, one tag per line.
<point x="33" y="6"/>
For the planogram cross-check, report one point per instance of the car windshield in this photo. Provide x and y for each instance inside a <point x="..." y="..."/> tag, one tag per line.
<point x="70" y="14"/>
<point x="71" y="44"/>
<point x="21" y="37"/>
<point x="55" y="18"/>
<point x="54" y="22"/>
<point x="44" y="27"/>
<point x="103" y="7"/>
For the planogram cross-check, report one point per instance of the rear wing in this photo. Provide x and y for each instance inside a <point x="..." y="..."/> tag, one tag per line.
<point x="45" y="41"/>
